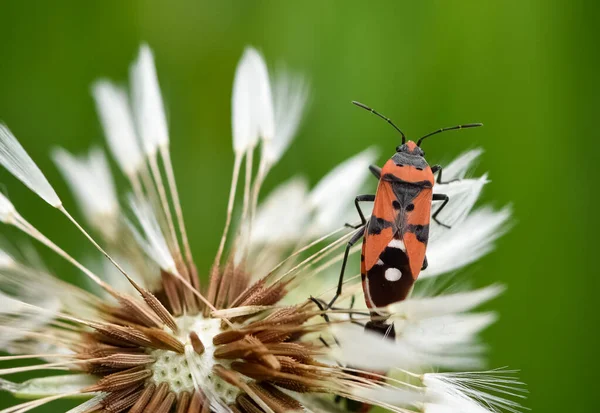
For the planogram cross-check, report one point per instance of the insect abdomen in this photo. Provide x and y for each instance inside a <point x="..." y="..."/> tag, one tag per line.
<point x="390" y="279"/>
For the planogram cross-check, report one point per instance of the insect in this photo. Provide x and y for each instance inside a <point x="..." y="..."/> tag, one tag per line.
<point x="395" y="237"/>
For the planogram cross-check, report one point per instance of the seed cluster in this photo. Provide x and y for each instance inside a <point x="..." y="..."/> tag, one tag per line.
<point x="150" y="360"/>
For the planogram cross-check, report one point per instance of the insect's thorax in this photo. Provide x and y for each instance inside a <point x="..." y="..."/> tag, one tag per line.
<point x="403" y="167"/>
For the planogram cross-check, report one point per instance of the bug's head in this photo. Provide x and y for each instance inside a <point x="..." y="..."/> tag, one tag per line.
<point x="410" y="148"/>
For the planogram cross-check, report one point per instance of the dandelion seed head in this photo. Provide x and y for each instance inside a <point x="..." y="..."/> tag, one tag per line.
<point x="152" y="337"/>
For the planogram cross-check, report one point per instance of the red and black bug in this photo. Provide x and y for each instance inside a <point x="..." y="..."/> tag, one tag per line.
<point x="396" y="235"/>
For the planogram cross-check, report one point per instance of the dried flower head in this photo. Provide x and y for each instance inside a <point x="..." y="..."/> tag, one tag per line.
<point x="148" y="337"/>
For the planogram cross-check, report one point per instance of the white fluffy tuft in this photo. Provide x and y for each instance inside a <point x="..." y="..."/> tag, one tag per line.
<point x="92" y="184"/>
<point x="148" y="106"/>
<point x="285" y="204"/>
<point x="290" y="96"/>
<point x="115" y="114"/>
<point x="261" y="93"/>
<point x="463" y="194"/>
<point x="476" y="392"/>
<point x="18" y="318"/>
<point x="252" y="114"/>
<point x="467" y="242"/>
<point x="7" y="210"/>
<point x="153" y="241"/>
<point x="16" y="160"/>
<point x="451" y="341"/>
<point x="242" y="123"/>
<point x="331" y="197"/>
<point x="365" y="350"/>
<point x="458" y="168"/>
<point x="427" y="307"/>
<point x="388" y="395"/>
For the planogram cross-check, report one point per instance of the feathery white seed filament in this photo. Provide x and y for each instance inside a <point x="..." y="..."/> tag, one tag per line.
<point x="148" y="105"/>
<point x="91" y="182"/>
<point x="112" y="104"/>
<point x="18" y="162"/>
<point x="289" y="97"/>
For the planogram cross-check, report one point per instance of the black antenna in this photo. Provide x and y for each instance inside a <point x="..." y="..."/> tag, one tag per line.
<point x="465" y="126"/>
<point x="374" y="112"/>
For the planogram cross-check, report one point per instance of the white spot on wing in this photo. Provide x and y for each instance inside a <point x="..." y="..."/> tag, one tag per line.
<point x="393" y="274"/>
<point x="398" y="244"/>
<point x="379" y="262"/>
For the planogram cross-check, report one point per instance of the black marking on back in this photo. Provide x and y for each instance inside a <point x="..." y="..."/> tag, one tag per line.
<point x="376" y="225"/>
<point x="405" y="192"/>
<point x="419" y="184"/>
<point x="394" y="258"/>
<point x="404" y="158"/>
<point x="421" y="232"/>
<point x="382" y="291"/>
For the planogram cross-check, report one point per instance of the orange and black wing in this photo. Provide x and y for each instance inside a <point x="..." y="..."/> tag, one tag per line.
<point x="383" y="224"/>
<point x="415" y="231"/>
<point x="385" y="266"/>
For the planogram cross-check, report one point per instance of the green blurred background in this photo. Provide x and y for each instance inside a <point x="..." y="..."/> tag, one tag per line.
<point x="527" y="69"/>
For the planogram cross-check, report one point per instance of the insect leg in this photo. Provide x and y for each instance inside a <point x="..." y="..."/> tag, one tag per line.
<point x="438" y="168"/>
<point x="321" y="307"/>
<point x="375" y="170"/>
<point x="446" y="199"/>
<point x="361" y="198"/>
<point x="351" y="314"/>
<point x="357" y="235"/>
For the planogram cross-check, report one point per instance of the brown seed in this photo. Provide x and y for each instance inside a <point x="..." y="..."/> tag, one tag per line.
<point x="166" y="404"/>
<point x="290" y="381"/>
<point x="157" y="397"/>
<point x="289" y="365"/>
<point x="125" y="360"/>
<point x="144" y="398"/>
<point x="250" y="291"/>
<point x="299" y="351"/>
<point x="238" y="349"/>
<point x="196" y="343"/>
<point x="124" y="334"/>
<point x="122" y="379"/>
<point x="140" y="311"/>
<point x="119" y="315"/>
<point x="263" y="354"/>
<point x="159" y="309"/>
<point x="98" y="350"/>
<point x="113" y="397"/>
<point x="266" y="296"/>
<point x="229" y="376"/>
<point x="122" y="403"/>
<point x="275" y="398"/>
<point x="196" y="403"/>
<point x="225" y="284"/>
<point x="170" y="285"/>
<point x="241" y="279"/>
<point x="163" y="340"/>
<point x="235" y="409"/>
<point x="247" y="404"/>
<point x="228" y="336"/>
<point x="213" y="285"/>
<point x="183" y="402"/>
